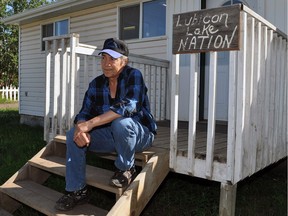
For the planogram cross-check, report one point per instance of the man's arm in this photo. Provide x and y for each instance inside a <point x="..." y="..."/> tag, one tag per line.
<point x="81" y="135"/>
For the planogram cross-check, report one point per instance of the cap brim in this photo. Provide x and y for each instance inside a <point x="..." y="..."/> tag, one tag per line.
<point x="112" y="53"/>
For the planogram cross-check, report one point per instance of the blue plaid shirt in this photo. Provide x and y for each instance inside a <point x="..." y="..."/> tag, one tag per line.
<point x="131" y="98"/>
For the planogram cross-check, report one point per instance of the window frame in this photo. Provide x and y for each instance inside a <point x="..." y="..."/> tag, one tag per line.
<point x="140" y="34"/>
<point x="54" y="29"/>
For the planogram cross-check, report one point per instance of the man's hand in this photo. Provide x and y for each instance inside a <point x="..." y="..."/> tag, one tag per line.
<point x="81" y="135"/>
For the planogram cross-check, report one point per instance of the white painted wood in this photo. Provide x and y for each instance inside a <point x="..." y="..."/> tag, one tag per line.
<point x="277" y="136"/>
<point x="231" y="118"/>
<point x="211" y="115"/>
<point x="249" y="53"/>
<point x="241" y="90"/>
<point x="56" y="87"/>
<point x="254" y="116"/>
<point x="272" y="95"/>
<point x="267" y="100"/>
<point x="157" y="92"/>
<point x="193" y="112"/>
<point x="174" y="111"/>
<point x="63" y="94"/>
<point x="163" y="93"/>
<point x="73" y="65"/>
<point x="261" y="94"/>
<point x="219" y="169"/>
<point x="47" y="94"/>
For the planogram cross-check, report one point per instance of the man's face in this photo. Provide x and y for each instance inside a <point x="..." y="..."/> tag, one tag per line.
<point x="112" y="67"/>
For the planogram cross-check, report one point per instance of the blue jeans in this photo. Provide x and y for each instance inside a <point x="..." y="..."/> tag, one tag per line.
<point x="125" y="136"/>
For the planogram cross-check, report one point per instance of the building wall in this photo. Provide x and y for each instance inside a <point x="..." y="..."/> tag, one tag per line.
<point x="94" y="26"/>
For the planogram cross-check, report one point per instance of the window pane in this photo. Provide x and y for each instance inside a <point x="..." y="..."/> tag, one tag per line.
<point x="47" y="31"/>
<point x="154" y="18"/>
<point x="129" y="22"/>
<point x="61" y="27"/>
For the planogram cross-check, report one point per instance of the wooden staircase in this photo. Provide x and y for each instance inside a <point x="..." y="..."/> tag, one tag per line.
<point x="27" y="185"/>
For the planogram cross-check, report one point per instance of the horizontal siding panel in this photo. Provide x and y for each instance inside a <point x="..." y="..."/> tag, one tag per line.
<point x="31" y="44"/>
<point x="29" y="29"/>
<point x="101" y="26"/>
<point x="152" y="49"/>
<point x="40" y="61"/>
<point x="94" y="29"/>
<point x="33" y="83"/>
<point x="27" y="109"/>
<point x="39" y="74"/>
<point x="87" y="21"/>
<point x="36" y="56"/>
<point x="36" y="93"/>
<point x="34" y="53"/>
<point x="94" y="14"/>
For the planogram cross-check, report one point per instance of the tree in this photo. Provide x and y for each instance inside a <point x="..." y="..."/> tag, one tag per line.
<point x="9" y="38"/>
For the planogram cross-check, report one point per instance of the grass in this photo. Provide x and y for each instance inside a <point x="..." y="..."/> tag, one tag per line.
<point x="4" y="100"/>
<point x="263" y="194"/>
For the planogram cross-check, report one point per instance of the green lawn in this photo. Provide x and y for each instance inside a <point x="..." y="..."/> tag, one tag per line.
<point x="264" y="194"/>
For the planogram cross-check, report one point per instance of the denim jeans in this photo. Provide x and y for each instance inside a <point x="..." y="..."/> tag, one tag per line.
<point x="125" y="136"/>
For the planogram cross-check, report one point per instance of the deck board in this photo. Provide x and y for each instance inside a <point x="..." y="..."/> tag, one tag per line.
<point x="162" y="140"/>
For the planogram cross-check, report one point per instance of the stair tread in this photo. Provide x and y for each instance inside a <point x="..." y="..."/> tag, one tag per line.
<point x="43" y="199"/>
<point x="144" y="156"/>
<point x="95" y="176"/>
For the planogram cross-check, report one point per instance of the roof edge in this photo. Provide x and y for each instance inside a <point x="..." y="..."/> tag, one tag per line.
<point x="43" y="12"/>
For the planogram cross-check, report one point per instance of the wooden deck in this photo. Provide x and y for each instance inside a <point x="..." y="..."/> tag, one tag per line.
<point x="162" y="139"/>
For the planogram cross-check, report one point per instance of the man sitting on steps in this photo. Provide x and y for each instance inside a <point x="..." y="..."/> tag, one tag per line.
<point x="115" y="117"/>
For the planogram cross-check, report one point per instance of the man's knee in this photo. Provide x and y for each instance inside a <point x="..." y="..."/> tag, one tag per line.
<point x="122" y="124"/>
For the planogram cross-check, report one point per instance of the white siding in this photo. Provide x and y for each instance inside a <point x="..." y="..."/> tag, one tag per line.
<point x="32" y="71"/>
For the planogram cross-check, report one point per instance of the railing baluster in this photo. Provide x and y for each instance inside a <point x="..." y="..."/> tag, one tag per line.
<point x="231" y="117"/>
<point x="47" y="92"/>
<point x="174" y="110"/>
<point x="192" y="113"/>
<point x="211" y="114"/>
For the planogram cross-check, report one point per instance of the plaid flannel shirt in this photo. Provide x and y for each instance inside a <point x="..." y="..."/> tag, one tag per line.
<point x="131" y="98"/>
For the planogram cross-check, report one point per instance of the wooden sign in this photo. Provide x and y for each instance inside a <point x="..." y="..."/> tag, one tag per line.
<point x="207" y="30"/>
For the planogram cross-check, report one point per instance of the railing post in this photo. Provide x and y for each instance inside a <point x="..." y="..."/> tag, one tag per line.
<point x="241" y="103"/>
<point x="74" y="41"/>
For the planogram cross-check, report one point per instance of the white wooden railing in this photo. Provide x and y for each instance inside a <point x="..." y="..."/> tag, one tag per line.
<point x="70" y="66"/>
<point x="10" y="93"/>
<point x="257" y="116"/>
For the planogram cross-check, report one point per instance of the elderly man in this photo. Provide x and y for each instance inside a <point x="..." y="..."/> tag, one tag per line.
<point x="115" y="117"/>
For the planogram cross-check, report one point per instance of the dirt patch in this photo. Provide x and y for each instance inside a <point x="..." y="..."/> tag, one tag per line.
<point x="9" y="105"/>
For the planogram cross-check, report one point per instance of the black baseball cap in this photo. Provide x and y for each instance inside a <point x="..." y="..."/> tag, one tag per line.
<point x="115" y="48"/>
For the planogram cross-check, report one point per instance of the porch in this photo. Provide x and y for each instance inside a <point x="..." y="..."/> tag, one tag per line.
<point x="256" y="132"/>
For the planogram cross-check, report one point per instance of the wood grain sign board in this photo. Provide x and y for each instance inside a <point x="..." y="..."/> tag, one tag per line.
<point x="216" y="29"/>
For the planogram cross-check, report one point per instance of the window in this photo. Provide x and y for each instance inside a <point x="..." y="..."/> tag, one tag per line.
<point x="152" y="24"/>
<point x="129" y="27"/>
<point x="54" y="29"/>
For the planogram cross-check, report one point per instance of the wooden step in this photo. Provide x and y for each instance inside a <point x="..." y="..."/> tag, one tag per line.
<point x="95" y="176"/>
<point x="143" y="157"/>
<point x="43" y="199"/>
